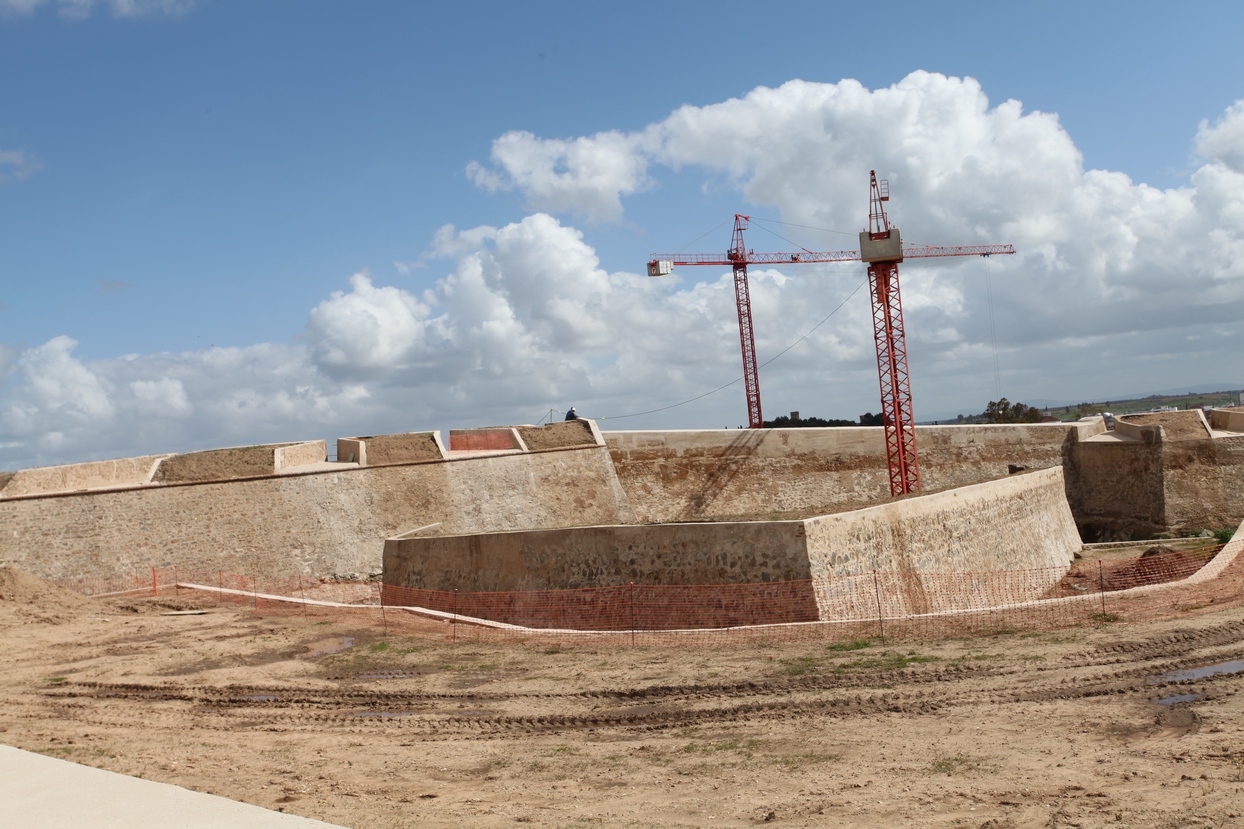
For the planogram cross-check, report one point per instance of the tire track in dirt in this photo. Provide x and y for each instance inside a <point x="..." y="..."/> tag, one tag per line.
<point x="1119" y="668"/>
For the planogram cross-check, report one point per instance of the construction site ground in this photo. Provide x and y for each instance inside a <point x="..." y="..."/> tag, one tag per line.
<point x="339" y="719"/>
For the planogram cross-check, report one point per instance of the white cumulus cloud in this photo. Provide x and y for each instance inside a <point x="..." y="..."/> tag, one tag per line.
<point x="1117" y="287"/>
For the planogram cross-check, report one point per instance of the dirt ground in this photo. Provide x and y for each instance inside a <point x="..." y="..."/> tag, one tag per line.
<point x="340" y="720"/>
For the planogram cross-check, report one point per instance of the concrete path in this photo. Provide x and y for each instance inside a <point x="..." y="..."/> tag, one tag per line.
<point x="38" y="792"/>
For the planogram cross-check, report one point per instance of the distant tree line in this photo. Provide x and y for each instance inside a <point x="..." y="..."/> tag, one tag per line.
<point x="1004" y="411"/>
<point x="786" y="422"/>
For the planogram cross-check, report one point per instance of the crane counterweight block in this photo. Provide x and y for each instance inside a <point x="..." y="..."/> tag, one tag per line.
<point x="660" y="267"/>
<point x="887" y="248"/>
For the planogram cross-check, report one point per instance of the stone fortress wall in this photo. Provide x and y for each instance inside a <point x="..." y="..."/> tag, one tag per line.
<point x="284" y="509"/>
<point x="1015" y="523"/>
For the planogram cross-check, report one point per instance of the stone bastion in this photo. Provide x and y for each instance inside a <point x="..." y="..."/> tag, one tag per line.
<point x="285" y="509"/>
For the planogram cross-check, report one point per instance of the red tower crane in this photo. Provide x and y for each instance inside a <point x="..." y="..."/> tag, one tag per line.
<point x="881" y="247"/>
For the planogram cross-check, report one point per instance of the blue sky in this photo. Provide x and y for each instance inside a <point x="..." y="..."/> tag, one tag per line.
<point x="237" y="211"/>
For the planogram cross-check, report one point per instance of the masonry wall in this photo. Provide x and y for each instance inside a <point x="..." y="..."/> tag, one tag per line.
<point x="790" y="473"/>
<point x="1021" y="523"/>
<point x="95" y="475"/>
<point x="317" y="524"/>
<point x="1017" y="523"/>
<point x="1143" y="479"/>
<point x="1203" y="483"/>
<point x="725" y="553"/>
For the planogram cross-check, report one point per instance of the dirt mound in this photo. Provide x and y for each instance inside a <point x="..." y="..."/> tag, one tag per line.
<point x="1186" y="425"/>
<point x="24" y="595"/>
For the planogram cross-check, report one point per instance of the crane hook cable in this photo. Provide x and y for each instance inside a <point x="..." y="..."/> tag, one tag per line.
<point x="762" y="365"/>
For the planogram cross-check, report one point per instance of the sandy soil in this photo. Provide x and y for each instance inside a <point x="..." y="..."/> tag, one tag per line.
<point x="557" y="434"/>
<point x="1177" y="425"/>
<point x="218" y="464"/>
<point x="339" y="720"/>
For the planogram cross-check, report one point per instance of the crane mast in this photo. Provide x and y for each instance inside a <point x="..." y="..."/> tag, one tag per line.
<point x="747" y="340"/>
<point x="881" y="247"/>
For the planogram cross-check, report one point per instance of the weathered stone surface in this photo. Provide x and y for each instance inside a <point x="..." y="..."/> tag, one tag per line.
<point x="319" y="524"/>
<point x="795" y="473"/>
<point x="74" y="477"/>
<point x="1017" y="523"/>
<point x="591" y="556"/>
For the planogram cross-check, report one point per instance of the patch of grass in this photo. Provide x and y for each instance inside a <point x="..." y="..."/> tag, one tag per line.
<point x="856" y="645"/>
<point x="1223" y="536"/>
<point x="1104" y="618"/>
<point x="553" y="650"/>
<point x="379" y="647"/>
<point x="950" y="765"/>
<point x="570" y="751"/>
<point x="802" y="665"/>
<point x="888" y="661"/>
<point x="56" y="680"/>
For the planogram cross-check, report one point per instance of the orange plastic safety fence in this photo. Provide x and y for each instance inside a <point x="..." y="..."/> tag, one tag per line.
<point x="884" y="604"/>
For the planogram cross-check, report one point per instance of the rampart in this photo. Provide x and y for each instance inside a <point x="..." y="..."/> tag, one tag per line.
<point x="1160" y="472"/>
<point x="377" y="450"/>
<point x="795" y="473"/>
<point x="123" y="472"/>
<point x="320" y="523"/>
<point x="238" y="462"/>
<point x="1016" y="523"/>
<point x="283" y="509"/>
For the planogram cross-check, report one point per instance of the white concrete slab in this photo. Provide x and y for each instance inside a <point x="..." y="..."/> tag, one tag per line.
<point x="39" y="792"/>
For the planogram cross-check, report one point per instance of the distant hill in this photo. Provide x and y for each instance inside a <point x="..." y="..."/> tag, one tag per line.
<point x="1065" y="409"/>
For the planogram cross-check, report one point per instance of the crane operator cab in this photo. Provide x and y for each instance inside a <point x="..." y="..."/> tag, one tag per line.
<point x="660" y="267"/>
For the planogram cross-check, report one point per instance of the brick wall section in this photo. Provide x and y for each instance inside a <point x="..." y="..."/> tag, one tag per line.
<point x="317" y="524"/>
<point x="483" y="440"/>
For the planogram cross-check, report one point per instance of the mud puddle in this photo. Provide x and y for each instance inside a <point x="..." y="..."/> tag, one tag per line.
<point x="1235" y="666"/>
<point x="336" y="644"/>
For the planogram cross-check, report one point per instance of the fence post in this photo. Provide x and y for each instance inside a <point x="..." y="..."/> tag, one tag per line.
<point x="877" y="591"/>
<point x="1101" y="589"/>
<point x="632" y="598"/>
<point x="154" y="585"/>
<point x="384" y="620"/>
<point x="455" y="619"/>
<point x="302" y="593"/>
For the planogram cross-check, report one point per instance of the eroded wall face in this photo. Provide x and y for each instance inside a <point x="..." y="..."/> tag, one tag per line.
<point x="1203" y="483"/>
<point x="324" y="524"/>
<point x="788" y="473"/>
<point x="927" y="546"/>
<point x="1116" y="490"/>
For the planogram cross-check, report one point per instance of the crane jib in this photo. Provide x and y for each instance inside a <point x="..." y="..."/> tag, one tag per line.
<point x="665" y="262"/>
